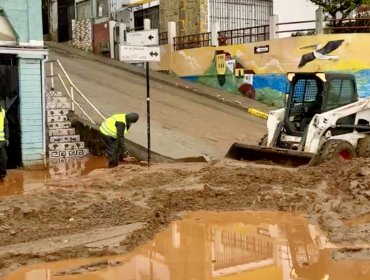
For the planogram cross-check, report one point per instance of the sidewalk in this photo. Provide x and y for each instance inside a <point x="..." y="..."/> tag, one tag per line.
<point x="240" y="102"/>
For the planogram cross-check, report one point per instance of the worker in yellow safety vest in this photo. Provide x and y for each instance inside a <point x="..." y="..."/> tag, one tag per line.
<point x="4" y="133"/>
<point x="113" y="131"/>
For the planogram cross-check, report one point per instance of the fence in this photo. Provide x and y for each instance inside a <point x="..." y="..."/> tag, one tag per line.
<point x="298" y="30"/>
<point x="243" y="35"/>
<point x="348" y="25"/>
<point x="262" y="32"/>
<point x="239" y="14"/>
<point x="192" y="41"/>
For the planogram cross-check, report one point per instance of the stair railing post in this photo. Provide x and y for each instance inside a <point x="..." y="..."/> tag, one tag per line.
<point x="52" y="75"/>
<point x="73" y="99"/>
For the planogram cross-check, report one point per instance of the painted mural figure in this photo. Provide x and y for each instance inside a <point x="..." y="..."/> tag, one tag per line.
<point x="225" y="65"/>
<point x="4" y="134"/>
<point x="321" y="52"/>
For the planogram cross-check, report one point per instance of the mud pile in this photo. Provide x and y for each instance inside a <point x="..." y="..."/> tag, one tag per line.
<point x="142" y="201"/>
<point x="334" y="195"/>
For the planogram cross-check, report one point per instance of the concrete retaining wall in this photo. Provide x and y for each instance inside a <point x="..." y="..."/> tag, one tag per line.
<point x="91" y="136"/>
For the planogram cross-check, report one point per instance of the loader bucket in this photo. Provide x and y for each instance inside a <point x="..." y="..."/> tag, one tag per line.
<point x="266" y="155"/>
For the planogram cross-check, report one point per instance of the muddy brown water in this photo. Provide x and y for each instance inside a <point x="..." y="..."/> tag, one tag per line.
<point x="22" y="182"/>
<point x="218" y="245"/>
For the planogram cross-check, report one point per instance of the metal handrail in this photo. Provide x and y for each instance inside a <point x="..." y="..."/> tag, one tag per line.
<point x="75" y="102"/>
<point x="296" y="30"/>
<point x="348" y="19"/>
<point x="295" y="22"/>
<point x="73" y="86"/>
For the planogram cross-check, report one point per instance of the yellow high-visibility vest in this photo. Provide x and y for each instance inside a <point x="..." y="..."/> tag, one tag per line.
<point x="108" y="127"/>
<point x="2" y="125"/>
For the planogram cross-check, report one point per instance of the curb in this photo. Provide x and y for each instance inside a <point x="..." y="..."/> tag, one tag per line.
<point x="141" y="72"/>
<point x="257" y="113"/>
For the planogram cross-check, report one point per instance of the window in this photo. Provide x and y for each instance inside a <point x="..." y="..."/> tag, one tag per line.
<point x="83" y="10"/>
<point x="102" y="8"/>
<point x="305" y="90"/>
<point x="306" y="100"/>
<point x="341" y="92"/>
<point x="150" y="13"/>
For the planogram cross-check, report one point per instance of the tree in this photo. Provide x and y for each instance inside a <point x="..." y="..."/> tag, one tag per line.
<point x="339" y="9"/>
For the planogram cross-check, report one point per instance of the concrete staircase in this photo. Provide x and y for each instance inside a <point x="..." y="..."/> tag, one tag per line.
<point x="64" y="144"/>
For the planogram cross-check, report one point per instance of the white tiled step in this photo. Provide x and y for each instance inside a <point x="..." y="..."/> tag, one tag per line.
<point x="68" y="153"/>
<point x="52" y="93"/>
<point x="62" y="132"/>
<point x="58" y="105"/>
<point x="52" y="99"/>
<point x="56" y="112"/>
<point x="75" y="161"/>
<point x="66" y="146"/>
<point x="58" y="125"/>
<point x="57" y="119"/>
<point x="65" y="138"/>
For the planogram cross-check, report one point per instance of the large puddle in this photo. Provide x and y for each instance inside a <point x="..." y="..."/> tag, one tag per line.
<point x="20" y="182"/>
<point x="225" y="246"/>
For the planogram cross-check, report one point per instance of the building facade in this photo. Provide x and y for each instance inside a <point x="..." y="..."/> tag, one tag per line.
<point x="22" y="58"/>
<point x="240" y="14"/>
<point x="196" y="16"/>
<point x="191" y="16"/>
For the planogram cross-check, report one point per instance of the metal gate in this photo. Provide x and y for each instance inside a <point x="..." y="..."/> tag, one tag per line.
<point x="9" y="99"/>
<point x="234" y="14"/>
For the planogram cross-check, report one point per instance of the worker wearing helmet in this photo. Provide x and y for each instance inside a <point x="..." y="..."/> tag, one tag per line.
<point x="113" y="131"/>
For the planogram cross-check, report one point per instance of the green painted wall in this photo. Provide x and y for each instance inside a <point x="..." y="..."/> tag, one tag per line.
<point x="26" y="18"/>
<point x="31" y="109"/>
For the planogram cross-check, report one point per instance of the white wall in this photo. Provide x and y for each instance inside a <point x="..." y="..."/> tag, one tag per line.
<point x="294" y="10"/>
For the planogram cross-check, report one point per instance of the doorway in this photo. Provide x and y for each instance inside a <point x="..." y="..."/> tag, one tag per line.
<point x="66" y="13"/>
<point x="9" y="99"/>
<point x="45" y="17"/>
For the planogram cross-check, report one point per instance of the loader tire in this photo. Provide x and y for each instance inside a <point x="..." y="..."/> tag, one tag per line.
<point x="337" y="150"/>
<point x="363" y="147"/>
<point x="263" y="141"/>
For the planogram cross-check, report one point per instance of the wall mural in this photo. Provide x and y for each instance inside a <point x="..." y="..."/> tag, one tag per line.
<point x="259" y="70"/>
<point x="321" y="53"/>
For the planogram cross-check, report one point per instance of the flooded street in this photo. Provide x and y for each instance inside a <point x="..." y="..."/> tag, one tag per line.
<point x="186" y="221"/>
<point x="23" y="182"/>
<point x="211" y="245"/>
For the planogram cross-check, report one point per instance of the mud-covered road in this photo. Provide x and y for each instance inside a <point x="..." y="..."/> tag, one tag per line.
<point x="183" y="124"/>
<point x="113" y="211"/>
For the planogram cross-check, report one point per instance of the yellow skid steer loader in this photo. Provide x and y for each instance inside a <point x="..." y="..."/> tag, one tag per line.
<point x="323" y="120"/>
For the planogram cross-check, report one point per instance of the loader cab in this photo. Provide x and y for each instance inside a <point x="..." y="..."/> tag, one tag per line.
<point x="316" y="93"/>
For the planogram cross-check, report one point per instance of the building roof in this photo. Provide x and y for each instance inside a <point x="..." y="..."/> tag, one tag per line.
<point x="7" y="35"/>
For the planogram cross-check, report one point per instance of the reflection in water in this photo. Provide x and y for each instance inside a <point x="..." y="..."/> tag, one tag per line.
<point x="74" y="167"/>
<point x="19" y="181"/>
<point x="219" y="246"/>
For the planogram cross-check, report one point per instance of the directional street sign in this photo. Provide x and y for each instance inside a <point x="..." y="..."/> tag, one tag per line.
<point x="262" y="49"/>
<point x="142" y="38"/>
<point x="142" y="46"/>
<point x="137" y="53"/>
